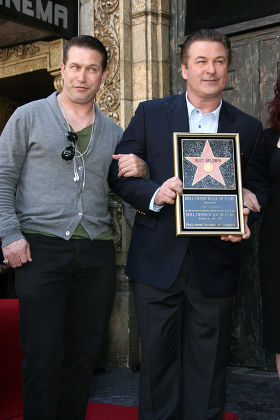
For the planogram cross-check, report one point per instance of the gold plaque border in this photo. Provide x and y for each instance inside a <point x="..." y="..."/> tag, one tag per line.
<point x="180" y="231"/>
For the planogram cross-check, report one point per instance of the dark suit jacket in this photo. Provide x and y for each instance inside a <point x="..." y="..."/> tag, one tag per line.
<point x="156" y="254"/>
<point x="257" y="171"/>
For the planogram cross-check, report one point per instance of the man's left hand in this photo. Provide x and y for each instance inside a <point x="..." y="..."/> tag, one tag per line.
<point x="130" y="165"/>
<point x="238" y="238"/>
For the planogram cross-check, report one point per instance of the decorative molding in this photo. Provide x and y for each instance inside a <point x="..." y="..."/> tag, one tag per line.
<point x="107" y="28"/>
<point x="39" y="55"/>
<point x="57" y="81"/>
<point x="5" y="54"/>
<point x="20" y="51"/>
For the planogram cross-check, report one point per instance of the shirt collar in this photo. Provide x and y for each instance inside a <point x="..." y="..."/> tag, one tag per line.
<point x="190" y="106"/>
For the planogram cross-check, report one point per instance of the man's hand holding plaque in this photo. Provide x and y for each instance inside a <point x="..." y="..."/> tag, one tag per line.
<point x="168" y="191"/>
<point x="238" y="238"/>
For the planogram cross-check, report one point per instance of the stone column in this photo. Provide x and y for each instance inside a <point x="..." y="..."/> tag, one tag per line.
<point x="144" y="53"/>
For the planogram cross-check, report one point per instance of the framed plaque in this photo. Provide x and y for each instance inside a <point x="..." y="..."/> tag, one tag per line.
<point x="209" y="166"/>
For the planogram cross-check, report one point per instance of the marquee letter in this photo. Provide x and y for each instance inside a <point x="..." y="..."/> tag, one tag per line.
<point x="60" y="12"/>
<point x="26" y="4"/>
<point x="44" y="15"/>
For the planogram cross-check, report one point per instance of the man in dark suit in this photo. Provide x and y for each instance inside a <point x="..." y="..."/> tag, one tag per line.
<point x="183" y="286"/>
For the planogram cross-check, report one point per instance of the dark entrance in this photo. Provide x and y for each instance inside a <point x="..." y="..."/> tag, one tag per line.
<point x="23" y="88"/>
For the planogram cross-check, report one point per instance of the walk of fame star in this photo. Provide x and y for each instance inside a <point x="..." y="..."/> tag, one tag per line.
<point x="207" y="164"/>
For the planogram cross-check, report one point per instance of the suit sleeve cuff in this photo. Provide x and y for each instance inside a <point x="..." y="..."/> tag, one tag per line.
<point x="154" y="207"/>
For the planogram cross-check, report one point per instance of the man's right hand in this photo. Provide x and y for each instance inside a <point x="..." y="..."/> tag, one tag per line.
<point x="17" y="253"/>
<point x="168" y="191"/>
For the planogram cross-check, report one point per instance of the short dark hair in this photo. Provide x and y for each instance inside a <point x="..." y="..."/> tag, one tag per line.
<point x="86" y="41"/>
<point x="205" y="35"/>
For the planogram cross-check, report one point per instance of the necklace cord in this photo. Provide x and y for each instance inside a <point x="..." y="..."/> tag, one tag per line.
<point x="78" y="154"/>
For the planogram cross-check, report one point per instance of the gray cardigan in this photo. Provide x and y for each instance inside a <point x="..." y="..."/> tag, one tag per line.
<point x="37" y="189"/>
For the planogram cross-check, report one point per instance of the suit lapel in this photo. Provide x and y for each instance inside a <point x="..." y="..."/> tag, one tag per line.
<point x="179" y="121"/>
<point x="178" y="114"/>
<point x="174" y="119"/>
<point x="227" y="120"/>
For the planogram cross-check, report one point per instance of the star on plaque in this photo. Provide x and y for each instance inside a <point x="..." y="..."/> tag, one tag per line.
<point x="207" y="164"/>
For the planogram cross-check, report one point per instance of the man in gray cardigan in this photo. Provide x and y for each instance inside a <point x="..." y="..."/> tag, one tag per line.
<point x="55" y="230"/>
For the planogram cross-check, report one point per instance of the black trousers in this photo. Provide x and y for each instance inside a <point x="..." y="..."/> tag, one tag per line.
<point x="66" y="296"/>
<point x="184" y="342"/>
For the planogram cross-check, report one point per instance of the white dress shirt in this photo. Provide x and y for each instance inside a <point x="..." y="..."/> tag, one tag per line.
<point x="203" y="123"/>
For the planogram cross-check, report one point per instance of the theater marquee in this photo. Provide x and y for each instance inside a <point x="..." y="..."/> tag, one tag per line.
<point x="59" y="18"/>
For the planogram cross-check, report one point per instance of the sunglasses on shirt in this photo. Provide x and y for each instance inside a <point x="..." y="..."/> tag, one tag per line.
<point x="68" y="152"/>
